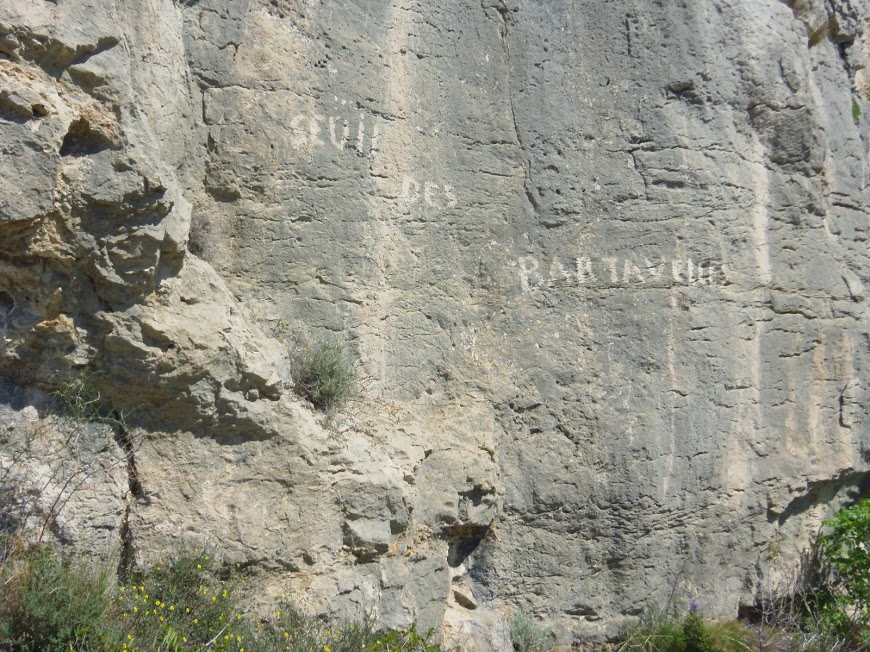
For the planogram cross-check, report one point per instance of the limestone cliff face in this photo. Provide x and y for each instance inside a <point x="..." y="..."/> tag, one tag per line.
<point x="603" y="263"/>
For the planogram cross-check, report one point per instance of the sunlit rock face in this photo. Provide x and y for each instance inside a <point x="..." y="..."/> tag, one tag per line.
<point x="603" y="263"/>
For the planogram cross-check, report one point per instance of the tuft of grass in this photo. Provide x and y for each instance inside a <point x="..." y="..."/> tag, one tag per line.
<point x="324" y="373"/>
<point x="527" y="635"/>
<point x="77" y="398"/>
<point x="730" y="636"/>
<point x="656" y="631"/>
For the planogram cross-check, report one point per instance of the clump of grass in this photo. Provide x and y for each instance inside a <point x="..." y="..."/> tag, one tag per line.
<point x="729" y="636"/>
<point x="77" y="397"/>
<point x="324" y="373"/>
<point x="527" y="635"/>
<point x="655" y="631"/>
<point x="658" y="631"/>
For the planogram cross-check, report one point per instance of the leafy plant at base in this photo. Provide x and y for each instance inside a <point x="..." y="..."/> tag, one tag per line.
<point x="845" y="601"/>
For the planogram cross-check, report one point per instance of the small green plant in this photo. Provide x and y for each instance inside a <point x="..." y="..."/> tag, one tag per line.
<point x="324" y="373"/>
<point x="695" y="634"/>
<point x="856" y="112"/>
<point x="527" y="635"/>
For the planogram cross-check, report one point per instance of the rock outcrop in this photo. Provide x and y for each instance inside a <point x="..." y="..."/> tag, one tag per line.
<point x="603" y="265"/>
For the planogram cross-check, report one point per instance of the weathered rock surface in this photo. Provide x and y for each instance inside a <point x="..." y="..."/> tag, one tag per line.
<point x="604" y="265"/>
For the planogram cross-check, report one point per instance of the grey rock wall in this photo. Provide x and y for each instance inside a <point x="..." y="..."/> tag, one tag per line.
<point x="603" y="264"/>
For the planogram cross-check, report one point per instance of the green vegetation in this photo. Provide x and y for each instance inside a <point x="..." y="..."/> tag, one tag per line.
<point x="51" y="605"/>
<point x="78" y="398"/>
<point x="856" y="112"/>
<point x="843" y="600"/>
<point x="48" y="606"/>
<point x="527" y="635"/>
<point x="655" y="631"/>
<point x="325" y="374"/>
<point x="695" y="633"/>
<point x="660" y="632"/>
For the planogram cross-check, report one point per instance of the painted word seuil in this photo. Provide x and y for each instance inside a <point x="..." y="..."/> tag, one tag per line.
<point x="314" y="130"/>
<point x="610" y="270"/>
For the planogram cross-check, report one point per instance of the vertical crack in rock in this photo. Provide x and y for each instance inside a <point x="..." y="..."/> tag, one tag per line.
<point x="124" y="440"/>
<point x="127" y="552"/>
<point x="504" y="14"/>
